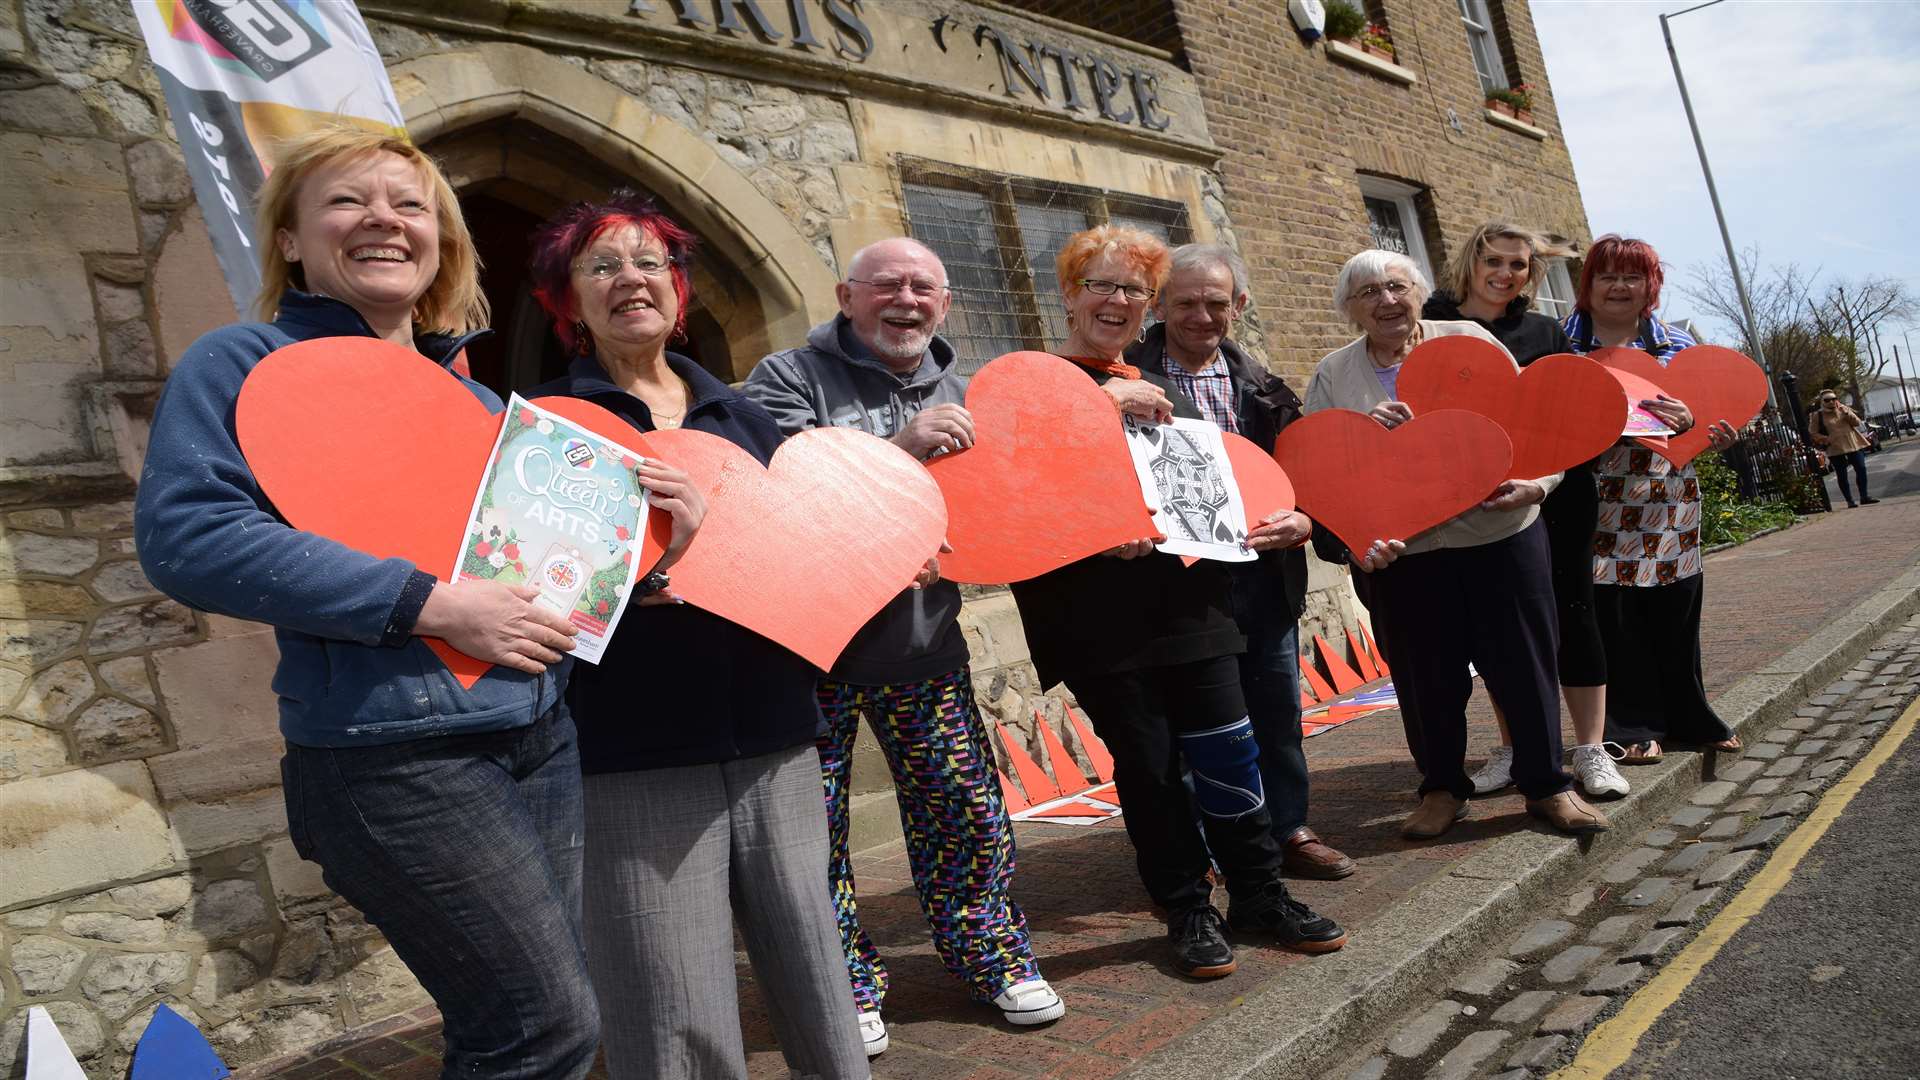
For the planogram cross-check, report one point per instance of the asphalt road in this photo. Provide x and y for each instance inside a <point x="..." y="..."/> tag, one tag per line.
<point x="1824" y="983"/>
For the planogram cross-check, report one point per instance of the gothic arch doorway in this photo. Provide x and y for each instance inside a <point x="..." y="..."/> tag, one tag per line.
<point x="522" y="134"/>
<point x="511" y="176"/>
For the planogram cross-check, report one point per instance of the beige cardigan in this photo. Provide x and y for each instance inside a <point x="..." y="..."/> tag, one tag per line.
<point x="1345" y="379"/>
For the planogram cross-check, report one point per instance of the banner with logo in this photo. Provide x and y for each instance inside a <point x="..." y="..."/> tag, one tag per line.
<point x="240" y="74"/>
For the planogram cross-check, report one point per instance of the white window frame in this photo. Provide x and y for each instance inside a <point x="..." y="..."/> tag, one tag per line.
<point x="1488" y="63"/>
<point x="1555" y="296"/>
<point x="1411" y="224"/>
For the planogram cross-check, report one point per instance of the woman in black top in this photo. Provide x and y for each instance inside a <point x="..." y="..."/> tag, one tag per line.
<point x="1149" y="647"/>
<point x="702" y="786"/>
<point x="1492" y="281"/>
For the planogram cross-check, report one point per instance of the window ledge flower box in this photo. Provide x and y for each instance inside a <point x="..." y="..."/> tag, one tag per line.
<point x="1519" y="123"/>
<point x="1353" y="55"/>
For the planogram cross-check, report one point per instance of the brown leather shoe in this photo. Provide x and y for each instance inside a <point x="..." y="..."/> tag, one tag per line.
<point x="1569" y="813"/>
<point x="1307" y="856"/>
<point x="1438" y="811"/>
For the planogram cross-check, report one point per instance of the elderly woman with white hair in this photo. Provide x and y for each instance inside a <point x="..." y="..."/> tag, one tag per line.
<point x="1474" y="590"/>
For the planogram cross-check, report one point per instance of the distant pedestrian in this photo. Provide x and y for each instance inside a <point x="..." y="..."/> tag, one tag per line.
<point x="1647" y="567"/>
<point x="1837" y="429"/>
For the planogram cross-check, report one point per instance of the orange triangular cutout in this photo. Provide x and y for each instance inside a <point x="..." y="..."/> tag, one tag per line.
<point x="1344" y="678"/>
<point x="1075" y="809"/>
<point x="1097" y="755"/>
<point x="1308" y="728"/>
<point x="1361" y="659"/>
<point x="1034" y="779"/>
<point x="1353" y="712"/>
<point x="1066" y="772"/>
<point x="1307" y="701"/>
<point x="1379" y="658"/>
<point x="1010" y="795"/>
<point x="1321" y="688"/>
<point x="1105" y="793"/>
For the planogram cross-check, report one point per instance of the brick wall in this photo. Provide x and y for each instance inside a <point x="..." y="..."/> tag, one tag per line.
<point x="1299" y="128"/>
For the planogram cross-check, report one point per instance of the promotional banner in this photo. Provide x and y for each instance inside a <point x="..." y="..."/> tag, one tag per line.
<point x="239" y="74"/>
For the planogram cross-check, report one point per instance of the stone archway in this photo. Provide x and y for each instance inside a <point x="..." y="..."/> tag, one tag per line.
<point x="789" y="287"/>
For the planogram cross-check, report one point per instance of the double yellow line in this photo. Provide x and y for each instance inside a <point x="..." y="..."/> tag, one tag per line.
<point x="1613" y="1043"/>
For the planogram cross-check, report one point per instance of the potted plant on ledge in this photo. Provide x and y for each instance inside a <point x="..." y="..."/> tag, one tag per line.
<point x="1375" y="40"/>
<point x="1345" y="23"/>
<point x="1515" y="101"/>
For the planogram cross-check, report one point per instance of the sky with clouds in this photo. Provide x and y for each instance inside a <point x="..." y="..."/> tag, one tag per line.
<point x="1810" y="110"/>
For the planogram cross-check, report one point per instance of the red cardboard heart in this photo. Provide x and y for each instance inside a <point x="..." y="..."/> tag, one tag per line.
<point x="1367" y="483"/>
<point x="1715" y="383"/>
<point x="1264" y="486"/>
<point x="1559" y="411"/>
<point x="373" y="445"/>
<point x="805" y="552"/>
<point x="1049" y="479"/>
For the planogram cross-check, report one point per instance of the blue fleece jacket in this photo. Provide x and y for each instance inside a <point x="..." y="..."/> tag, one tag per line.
<point x="351" y="673"/>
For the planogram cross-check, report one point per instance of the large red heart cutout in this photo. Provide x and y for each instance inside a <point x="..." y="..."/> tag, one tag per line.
<point x="1558" y="411"/>
<point x="1367" y="483"/>
<point x="1716" y="384"/>
<point x="1048" y="480"/>
<point x="375" y="446"/>
<point x="1264" y="486"/>
<point x="805" y="552"/>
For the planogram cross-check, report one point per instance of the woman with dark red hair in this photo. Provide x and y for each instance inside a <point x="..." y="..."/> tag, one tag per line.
<point x="1646" y="547"/>
<point x="702" y="785"/>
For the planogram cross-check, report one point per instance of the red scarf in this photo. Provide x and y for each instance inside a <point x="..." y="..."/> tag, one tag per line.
<point x="1117" y="368"/>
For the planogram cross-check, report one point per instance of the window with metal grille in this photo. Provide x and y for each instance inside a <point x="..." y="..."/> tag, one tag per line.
<point x="1487" y="61"/>
<point x="998" y="236"/>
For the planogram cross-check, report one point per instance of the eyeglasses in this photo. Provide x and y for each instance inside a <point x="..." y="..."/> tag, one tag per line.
<point x="1631" y="281"/>
<point x="1372" y="293"/>
<point x="1103" y="287"/>
<point x="919" y="287"/>
<point x="602" y="267"/>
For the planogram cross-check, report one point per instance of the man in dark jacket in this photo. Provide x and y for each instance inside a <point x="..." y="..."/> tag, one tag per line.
<point x="1205" y="294"/>
<point x="880" y="367"/>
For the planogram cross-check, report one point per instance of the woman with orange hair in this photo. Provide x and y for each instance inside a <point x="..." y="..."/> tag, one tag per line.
<point x="1150" y="649"/>
<point x="1646" y="548"/>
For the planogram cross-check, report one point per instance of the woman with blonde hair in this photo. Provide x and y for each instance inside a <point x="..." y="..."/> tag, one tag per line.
<point x="449" y="815"/>
<point x="1492" y="281"/>
<point x="1149" y="647"/>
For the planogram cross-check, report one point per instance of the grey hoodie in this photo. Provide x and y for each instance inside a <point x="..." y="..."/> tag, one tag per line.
<point x="835" y="381"/>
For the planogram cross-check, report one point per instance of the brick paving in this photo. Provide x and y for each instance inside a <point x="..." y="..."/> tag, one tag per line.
<point x="1101" y="943"/>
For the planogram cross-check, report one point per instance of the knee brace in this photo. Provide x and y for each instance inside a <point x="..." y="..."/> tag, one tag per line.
<point x="1226" y="770"/>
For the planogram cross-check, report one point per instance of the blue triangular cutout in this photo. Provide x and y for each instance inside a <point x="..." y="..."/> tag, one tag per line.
<point x="173" y="1049"/>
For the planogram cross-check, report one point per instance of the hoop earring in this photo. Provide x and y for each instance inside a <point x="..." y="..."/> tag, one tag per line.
<point x="1142" y="336"/>
<point x="582" y="338"/>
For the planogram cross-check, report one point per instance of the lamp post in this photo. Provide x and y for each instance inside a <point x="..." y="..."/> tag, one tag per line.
<point x="1733" y="260"/>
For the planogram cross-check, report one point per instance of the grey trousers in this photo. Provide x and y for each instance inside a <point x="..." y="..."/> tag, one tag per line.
<point x="674" y="859"/>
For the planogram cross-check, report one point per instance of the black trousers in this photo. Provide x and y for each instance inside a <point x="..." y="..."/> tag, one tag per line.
<point x="1140" y="715"/>
<point x="1653" y="648"/>
<point x="1570" y="513"/>
<point x="1490" y="606"/>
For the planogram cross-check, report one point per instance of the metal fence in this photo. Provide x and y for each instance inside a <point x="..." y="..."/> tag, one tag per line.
<point x="1773" y="464"/>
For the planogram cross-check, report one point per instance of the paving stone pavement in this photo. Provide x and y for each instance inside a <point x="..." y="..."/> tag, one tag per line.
<point x="1101" y="943"/>
<point x="1655" y="896"/>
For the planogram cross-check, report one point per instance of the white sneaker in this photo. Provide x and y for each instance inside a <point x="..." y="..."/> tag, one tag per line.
<point x="1030" y="1002"/>
<point x="1496" y="773"/>
<point x="1593" y="765"/>
<point x="873" y="1032"/>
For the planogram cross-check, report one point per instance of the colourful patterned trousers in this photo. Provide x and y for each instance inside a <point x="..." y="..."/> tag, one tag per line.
<point x="959" y="839"/>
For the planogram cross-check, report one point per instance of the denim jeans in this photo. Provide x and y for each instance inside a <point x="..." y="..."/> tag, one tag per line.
<point x="1270" y="677"/>
<point x="465" y="851"/>
<point x="1857" y="461"/>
